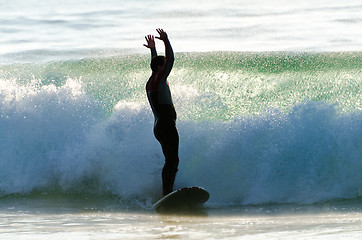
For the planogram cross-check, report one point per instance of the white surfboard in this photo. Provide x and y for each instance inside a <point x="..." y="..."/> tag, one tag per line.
<point x="182" y="199"/>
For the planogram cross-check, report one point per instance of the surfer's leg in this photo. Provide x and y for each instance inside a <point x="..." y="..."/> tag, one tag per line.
<point x="168" y="136"/>
<point x="170" y="150"/>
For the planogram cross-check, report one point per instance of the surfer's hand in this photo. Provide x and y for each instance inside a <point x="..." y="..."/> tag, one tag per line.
<point x="163" y="34"/>
<point x="150" y="39"/>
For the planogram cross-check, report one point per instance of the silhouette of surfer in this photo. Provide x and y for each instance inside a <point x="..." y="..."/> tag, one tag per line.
<point x="159" y="97"/>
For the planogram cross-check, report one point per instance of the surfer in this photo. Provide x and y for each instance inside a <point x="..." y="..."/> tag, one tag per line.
<point x="159" y="97"/>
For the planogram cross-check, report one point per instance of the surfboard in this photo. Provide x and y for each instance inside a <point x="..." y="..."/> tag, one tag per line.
<point x="182" y="199"/>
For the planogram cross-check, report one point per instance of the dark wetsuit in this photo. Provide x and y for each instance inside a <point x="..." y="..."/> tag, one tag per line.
<point x="159" y="96"/>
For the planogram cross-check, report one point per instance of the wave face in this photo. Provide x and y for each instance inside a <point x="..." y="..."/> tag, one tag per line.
<point x="254" y="127"/>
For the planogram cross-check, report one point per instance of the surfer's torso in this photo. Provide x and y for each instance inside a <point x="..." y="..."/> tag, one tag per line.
<point x="158" y="90"/>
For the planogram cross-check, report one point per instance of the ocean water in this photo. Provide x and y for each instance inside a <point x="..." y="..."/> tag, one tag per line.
<point x="269" y="103"/>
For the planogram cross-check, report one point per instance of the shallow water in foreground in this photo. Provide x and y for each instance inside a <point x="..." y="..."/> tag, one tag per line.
<point x="77" y="219"/>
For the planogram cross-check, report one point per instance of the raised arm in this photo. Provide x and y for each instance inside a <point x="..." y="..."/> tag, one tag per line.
<point x="150" y="39"/>
<point x="168" y="50"/>
<point x="163" y="36"/>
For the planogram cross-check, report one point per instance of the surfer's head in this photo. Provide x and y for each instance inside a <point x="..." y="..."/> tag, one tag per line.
<point x="157" y="62"/>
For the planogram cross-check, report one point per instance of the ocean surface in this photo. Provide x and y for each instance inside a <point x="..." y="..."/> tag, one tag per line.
<point x="269" y="102"/>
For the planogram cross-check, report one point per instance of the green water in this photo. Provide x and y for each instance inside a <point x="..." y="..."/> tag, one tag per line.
<point x="213" y="85"/>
